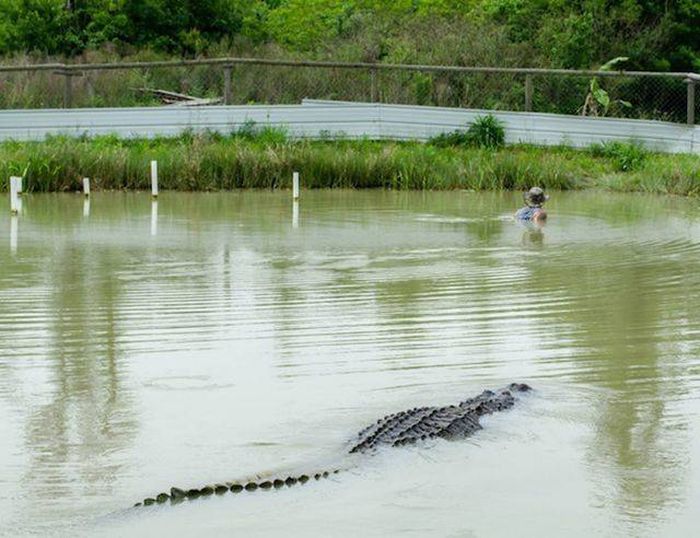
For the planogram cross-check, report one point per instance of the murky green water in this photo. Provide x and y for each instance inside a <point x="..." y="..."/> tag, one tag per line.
<point x="222" y="337"/>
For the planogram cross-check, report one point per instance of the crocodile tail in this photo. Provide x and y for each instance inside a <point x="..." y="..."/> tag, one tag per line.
<point x="178" y="495"/>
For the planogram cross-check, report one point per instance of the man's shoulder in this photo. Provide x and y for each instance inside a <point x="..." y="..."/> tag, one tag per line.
<point x="530" y="213"/>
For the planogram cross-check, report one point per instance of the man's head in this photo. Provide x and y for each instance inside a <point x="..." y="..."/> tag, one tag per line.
<point x="535" y="197"/>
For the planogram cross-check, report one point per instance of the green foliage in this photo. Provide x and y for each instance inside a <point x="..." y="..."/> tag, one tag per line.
<point x="520" y="17"/>
<point x="303" y="24"/>
<point x="422" y="88"/>
<point x="452" y="139"/>
<point x="581" y="33"/>
<point x="246" y="130"/>
<point x="625" y="156"/>
<point x="265" y="134"/>
<point x="60" y="27"/>
<point x="598" y="101"/>
<point x="33" y="25"/>
<point x="486" y="132"/>
<point x="575" y="34"/>
<point x="570" y="40"/>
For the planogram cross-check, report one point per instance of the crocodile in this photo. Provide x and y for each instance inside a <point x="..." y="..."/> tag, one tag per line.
<point x="398" y="429"/>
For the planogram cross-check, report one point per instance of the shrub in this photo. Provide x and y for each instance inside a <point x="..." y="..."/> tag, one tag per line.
<point x="487" y="132"/>
<point x="451" y="139"/>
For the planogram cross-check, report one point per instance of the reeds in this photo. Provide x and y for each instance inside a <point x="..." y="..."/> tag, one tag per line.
<point x="266" y="160"/>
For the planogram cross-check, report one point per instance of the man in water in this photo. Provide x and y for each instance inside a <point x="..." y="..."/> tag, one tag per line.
<point x="533" y="212"/>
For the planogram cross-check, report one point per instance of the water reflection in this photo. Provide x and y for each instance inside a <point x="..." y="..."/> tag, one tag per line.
<point x="618" y="319"/>
<point x="533" y="238"/>
<point x="486" y="229"/>
<point x="14" y="232"/>
<point x="638" y="432"/>
<point x="154" y="217"/>
<point x="533" y="234"/>
<point x="295" y="214"/>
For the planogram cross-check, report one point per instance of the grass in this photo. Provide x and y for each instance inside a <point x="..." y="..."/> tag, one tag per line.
<point x="265" y="159"/>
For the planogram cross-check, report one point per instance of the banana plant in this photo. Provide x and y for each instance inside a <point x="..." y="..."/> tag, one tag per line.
<point x="598" y="101"/>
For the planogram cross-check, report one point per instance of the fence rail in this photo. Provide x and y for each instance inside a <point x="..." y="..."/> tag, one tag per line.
<point x="651" y="95"/>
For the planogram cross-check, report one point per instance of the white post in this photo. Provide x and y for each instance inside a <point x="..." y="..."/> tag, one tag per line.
<point x="295" y="185"/>
<point x="86" y="186"/>
<point x="19" y="186"/>
<point x="295" y="214"/>
<point x="13" y="234"/>
<point x="154" y="217"/>
<point x="154" y="179"/>
<point x="14" y="200"/>
<point x="86" y="207"/>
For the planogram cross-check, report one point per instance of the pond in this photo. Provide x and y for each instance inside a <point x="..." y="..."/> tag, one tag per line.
<point x="218" y="336"/>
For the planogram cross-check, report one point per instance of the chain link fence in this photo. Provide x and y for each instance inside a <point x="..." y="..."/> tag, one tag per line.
<point x="655" y="96"/>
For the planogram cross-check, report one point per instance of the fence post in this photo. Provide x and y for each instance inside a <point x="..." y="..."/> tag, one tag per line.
<point x="295" y="186"/>
<point x="154" y="179"/>
<point x="227" y="84"/>
<point x="690" y="113"/>
<point x="67" y="88"/>
<point x="373" y="90"/>
<point x="14" y="200"/>
<point x="528" y="93"/>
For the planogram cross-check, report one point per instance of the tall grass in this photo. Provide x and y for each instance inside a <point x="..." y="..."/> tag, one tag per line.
<point x="266" y="159"/>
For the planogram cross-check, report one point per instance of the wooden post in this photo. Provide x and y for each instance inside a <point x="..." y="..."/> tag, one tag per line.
<point x="227" y="84"/>
<point x="295" y="186"/>
<point x="373" y="78"/>
<point x="86" y="187"/>
<point x="154" y="179"/>
<point x="528" y="93"/>
<point x="690" y="112"/>
<point x="67" y="89"/>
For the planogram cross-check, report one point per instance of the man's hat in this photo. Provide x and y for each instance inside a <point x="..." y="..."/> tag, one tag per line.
<point x="535" y="197"/>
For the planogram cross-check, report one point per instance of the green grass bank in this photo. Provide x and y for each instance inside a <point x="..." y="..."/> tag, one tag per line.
<point x="266" y="160"/>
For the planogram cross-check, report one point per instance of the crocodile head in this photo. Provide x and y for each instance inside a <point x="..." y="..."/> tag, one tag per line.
<point x="519" y="387"/>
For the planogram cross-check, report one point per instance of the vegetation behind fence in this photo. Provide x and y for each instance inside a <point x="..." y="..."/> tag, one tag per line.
<point x="658" y="96"/>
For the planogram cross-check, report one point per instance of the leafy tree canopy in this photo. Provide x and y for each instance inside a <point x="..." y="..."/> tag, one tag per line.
<point x="560" y="33"/>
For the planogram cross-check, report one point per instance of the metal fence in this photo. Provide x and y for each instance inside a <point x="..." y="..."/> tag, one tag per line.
<point x="327" y="120"/>
<point x="639" y="95"/>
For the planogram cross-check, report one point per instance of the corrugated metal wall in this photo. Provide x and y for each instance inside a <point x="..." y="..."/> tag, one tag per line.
<point x="314" y="119"/>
